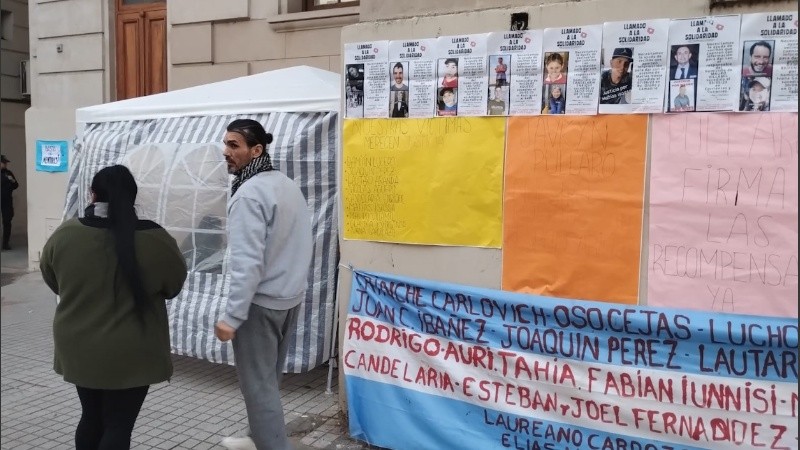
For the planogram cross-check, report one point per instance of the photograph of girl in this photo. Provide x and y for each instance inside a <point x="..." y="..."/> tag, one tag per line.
<point x="554" y="99"/>
<point x="556" y="66"/>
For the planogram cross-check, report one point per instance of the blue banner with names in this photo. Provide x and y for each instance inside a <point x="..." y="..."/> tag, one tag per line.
<point x="432" y="365"/>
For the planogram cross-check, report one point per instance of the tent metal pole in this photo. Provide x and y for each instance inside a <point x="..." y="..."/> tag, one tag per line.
<point x="334" y="335"/>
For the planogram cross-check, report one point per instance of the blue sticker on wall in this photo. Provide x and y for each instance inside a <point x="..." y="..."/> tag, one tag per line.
<point x="51" y="156"/>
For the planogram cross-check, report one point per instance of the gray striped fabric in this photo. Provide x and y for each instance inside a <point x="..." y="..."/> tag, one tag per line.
<point x="304" y="149"/>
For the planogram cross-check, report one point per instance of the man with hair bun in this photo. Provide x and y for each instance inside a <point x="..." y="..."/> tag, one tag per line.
<point x="270" y="240"/>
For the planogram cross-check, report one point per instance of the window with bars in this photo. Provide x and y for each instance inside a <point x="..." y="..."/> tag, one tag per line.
<point x="138" y="2"/>
<point x="6" y="25"/>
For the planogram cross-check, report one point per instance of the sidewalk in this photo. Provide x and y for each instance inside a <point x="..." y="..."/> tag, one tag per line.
<point x="201" y="405"/>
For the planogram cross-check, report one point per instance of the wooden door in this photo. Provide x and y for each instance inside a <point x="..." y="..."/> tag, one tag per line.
<point x="141" y="48"/>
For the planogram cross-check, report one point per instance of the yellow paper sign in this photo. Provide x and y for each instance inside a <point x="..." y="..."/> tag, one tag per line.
<point x="573" y="206"/>
<point x="424" y="181"/>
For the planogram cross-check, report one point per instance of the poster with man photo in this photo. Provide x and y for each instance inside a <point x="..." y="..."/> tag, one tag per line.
<point x="757" y="58"/>
<point x="398" y="73"/>
<point x="366" y="82"/>
<point x="635" y="61"/>
<point x="498" y="101"/>
<point x="684" y="61"/>
<point x="706" y="50"/>
<point x="354" y="90"/>
<point x="499" y="85"/>
<point x="515" y="65"/>
<point x="499" y="74"/>
<point x="682" y="95"/>
<point x="756" y="75"/>
<point x="412" y="70"/>
<point x="398" y="103"/>
<point x="398" y="89"/>
<point x="616" y="82"/>
<point x="769" y="55"/>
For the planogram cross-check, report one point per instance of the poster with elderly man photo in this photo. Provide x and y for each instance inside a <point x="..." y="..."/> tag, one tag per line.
<point x="769" y="62"/>
<point x="704" y="55"/>
<point x="635" y="61"/>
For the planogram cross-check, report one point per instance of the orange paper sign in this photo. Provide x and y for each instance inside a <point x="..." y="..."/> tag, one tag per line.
<point x="573" y="206"/>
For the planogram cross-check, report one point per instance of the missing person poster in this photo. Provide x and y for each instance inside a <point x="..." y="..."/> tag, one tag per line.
<point x="412" y="78"/>
<point x="571" y="75"/>
<point x="515" y="73"/>
<point x="461" y="84"/>
<point x="635" y="57"/>
<point x="704" y="64"/>
<point x="769" y="62"/>
<point x="366" y="85"/>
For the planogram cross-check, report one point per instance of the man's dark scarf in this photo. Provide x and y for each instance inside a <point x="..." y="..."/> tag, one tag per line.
<point x="257" y="165"/>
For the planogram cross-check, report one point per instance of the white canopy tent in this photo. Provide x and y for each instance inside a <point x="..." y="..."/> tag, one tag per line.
<point x="296" y="89"/>
<point x="172" y="144"/>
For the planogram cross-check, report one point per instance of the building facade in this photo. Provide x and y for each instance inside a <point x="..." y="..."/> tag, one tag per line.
<point x="87" y="52"/>
<point x="14" y="100"/>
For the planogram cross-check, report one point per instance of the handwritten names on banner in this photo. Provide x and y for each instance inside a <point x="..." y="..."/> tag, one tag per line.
<point x="523" y="371"/>
<point x="424" y="181"/>
<point x="723" y="213"/>
<point x="573" y="206"/>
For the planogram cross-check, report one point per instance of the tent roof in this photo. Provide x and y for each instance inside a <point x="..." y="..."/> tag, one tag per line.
<point x="296" y="89"/>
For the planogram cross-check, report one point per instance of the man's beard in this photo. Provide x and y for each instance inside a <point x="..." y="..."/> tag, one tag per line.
<point x="231" y="167"/>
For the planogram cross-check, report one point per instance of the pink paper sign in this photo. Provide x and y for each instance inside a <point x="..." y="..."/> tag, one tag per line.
<point x="723" y="213"/>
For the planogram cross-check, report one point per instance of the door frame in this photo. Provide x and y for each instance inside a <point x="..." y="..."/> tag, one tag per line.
<point x="122" y="10"/>
<point x="120" y="7"/>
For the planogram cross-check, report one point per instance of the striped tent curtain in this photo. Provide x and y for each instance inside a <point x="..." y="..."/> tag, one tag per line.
<point x="184" y="186"/>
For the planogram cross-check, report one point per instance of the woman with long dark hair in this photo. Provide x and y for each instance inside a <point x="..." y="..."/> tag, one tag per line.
<point x="112" y="272"/>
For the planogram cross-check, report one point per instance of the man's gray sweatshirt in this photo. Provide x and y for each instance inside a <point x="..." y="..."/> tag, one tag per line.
<point x="269" y="235"/>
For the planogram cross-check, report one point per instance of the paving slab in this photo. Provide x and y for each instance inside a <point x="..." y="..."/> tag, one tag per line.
<point x="200" y="405"/>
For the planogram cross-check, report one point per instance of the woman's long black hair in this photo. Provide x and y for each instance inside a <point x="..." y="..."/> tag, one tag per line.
<point x="116" y="186"/>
